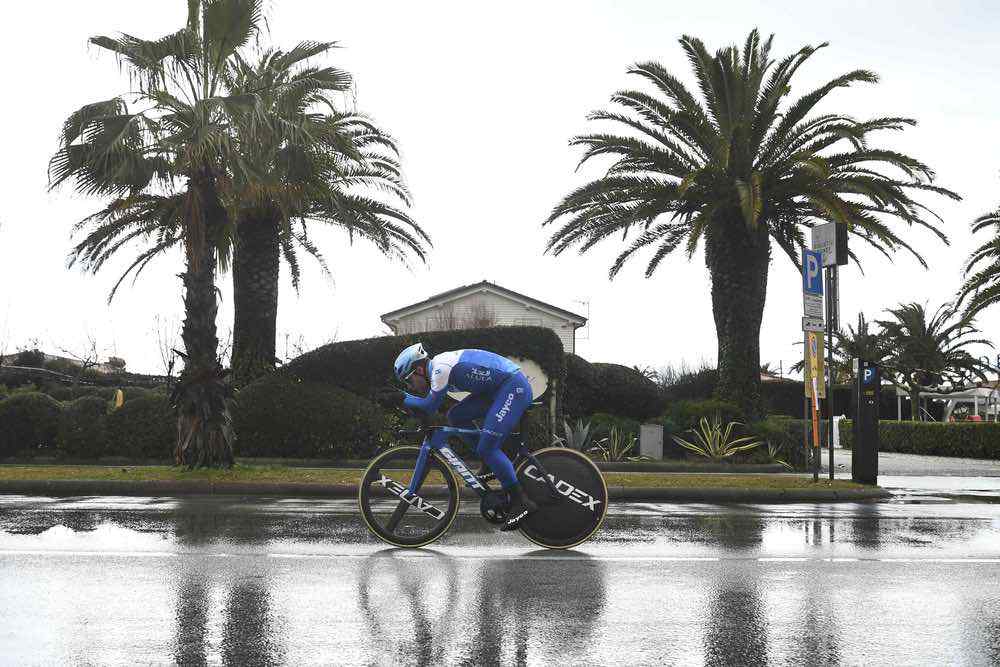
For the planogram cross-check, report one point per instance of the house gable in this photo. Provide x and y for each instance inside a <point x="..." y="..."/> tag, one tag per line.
<point x="484" y="304"/>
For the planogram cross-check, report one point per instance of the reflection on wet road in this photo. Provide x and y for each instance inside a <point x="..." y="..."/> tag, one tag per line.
<point x="210" y="581"/>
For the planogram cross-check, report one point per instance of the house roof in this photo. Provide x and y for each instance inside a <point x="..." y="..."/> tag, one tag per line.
<point x="483" y="285"/>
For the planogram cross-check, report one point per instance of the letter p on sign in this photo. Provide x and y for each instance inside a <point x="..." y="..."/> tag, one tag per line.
<point x="812" y="272"/>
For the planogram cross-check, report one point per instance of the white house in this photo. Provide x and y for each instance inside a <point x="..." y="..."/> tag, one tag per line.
<point x="480" y="305"/>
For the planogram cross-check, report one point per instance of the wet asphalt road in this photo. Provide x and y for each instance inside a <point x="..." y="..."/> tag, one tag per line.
<point x="228" y="581"/>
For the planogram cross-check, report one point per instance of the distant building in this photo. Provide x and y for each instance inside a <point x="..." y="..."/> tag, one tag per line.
<point x="484" y="304"/>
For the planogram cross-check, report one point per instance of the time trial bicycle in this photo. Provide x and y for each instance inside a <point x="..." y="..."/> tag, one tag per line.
<point x="409" y="496"/>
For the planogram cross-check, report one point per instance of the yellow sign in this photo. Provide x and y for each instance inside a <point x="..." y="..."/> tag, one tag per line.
<point x="815" y="365"/>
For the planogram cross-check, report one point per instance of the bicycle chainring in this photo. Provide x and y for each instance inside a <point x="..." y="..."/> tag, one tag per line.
<point x="493" y="507"/>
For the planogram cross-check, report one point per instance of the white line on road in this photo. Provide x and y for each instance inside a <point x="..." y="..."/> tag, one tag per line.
<point x="513" y="556"/>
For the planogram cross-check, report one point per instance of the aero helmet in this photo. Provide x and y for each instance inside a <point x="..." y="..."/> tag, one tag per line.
<point x="407" y="360"/>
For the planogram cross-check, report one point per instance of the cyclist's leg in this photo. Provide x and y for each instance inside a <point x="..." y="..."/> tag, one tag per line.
<point x="471" y="407"/>
<point x="509" y="403"/>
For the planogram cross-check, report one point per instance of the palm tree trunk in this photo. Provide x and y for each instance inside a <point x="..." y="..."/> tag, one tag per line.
<point x="738" y="259"/>
<point x="201" y="396"/>
<point x="255" y="297"/>
<point x="915" y="405"/>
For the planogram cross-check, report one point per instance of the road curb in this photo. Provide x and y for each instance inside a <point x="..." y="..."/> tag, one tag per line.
<point x="62" y="487"/>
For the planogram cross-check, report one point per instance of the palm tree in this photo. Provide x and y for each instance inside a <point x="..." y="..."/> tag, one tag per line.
<point x="164" y="156"/>
<point x="311" y="162"/>
<point x="850" y="344"/>
<point x="983" y="285"/>
<point x="924" y="353"/>
<point x="738" y="169"/>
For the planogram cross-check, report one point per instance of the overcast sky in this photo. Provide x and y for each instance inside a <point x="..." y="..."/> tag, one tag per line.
<point x="483" y="98"/>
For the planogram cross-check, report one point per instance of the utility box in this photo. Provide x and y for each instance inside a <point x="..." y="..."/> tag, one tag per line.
<point x="651" y="441"/>
<point x="864" y="455"/>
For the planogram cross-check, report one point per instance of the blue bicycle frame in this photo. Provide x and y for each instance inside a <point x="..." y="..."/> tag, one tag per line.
<point x="437" y="440"/>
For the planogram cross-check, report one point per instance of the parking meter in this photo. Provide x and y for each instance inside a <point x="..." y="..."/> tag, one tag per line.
<point x="864" y="455"/>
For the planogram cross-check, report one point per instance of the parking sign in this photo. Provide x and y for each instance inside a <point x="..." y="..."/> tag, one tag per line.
<point x="812" y="284"/>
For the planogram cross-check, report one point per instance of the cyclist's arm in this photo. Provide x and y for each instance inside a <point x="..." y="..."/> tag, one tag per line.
<point x="440" y="373"/>
<point x="427" y="404"/>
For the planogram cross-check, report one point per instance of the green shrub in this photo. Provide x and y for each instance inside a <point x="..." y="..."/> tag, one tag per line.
<point x="601" y="424"/>
<point x="961" y="439"/>
<point x="285" y="417"/>
<point x="145" y="428"/>
<point x="785" y="434"/>
<point x="28" y="421"/>
<point x="688" y="414"/>
<point x="627" y="392"/>
<point x="608" y="388"/>
<point x="70" y="393"/>
<point x="83" y="428"/>
<point x="580" y="396"/>
<point x="692" y="385"/>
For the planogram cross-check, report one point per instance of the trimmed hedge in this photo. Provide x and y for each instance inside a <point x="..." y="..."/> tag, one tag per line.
<point x="28" y="421"/>
<point x="581" y="393"/>
<point x="960" y="439"/>
<point x="83" y="428"/>
<point x="363" y="367"/>
<point x="286" y="417"/>
<point x="610" y="389"/>
<point x="143" y="428"/>
<point x="625" y="391"/>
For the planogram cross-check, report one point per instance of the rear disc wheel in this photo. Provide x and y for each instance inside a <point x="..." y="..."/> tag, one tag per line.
<point x="577" y="509"/>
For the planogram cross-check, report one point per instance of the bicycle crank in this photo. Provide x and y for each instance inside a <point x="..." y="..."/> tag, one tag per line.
<point x="493" y="507"/>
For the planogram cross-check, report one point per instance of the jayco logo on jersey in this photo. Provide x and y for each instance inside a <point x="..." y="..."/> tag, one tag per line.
<point x="480" y="374"/>
<point x="506" y="407"/>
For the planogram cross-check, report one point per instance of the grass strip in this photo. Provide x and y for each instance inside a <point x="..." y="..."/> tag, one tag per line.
<point x="282" y="474"/>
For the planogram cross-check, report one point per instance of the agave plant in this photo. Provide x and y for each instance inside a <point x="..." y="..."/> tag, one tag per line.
<point x="715" y="441"/>
<point x="775" y="454"/>
<point x="579" y="436"/>
<point x="616" y="447"/>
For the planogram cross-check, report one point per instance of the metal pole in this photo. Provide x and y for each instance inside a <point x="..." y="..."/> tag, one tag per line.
<point x="815" y="357"/>
<point x="831" y="313"/>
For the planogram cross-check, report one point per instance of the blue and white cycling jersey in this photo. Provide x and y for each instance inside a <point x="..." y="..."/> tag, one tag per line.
<point x="474" y="371"/>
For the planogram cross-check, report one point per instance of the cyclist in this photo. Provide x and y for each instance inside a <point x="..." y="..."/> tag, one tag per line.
<point x="499" y="393"/>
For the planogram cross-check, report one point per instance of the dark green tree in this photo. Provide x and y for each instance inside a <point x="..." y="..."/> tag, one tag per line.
<point x="982" y="270"/>
<point x="163" y="154"/>
<point x="310" y="162"/>
<point x="738" y="165"/>
<point x="923" y="351"/>
<point x="849" y="344"/>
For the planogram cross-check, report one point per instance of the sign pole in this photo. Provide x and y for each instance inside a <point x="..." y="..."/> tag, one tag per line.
<point x="815" y="350"/>
<point x="830" y="239"/>
<point x="832" y="303"/>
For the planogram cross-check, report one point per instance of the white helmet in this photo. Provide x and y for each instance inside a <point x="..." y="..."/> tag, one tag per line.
<point x="407" y="360"/>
